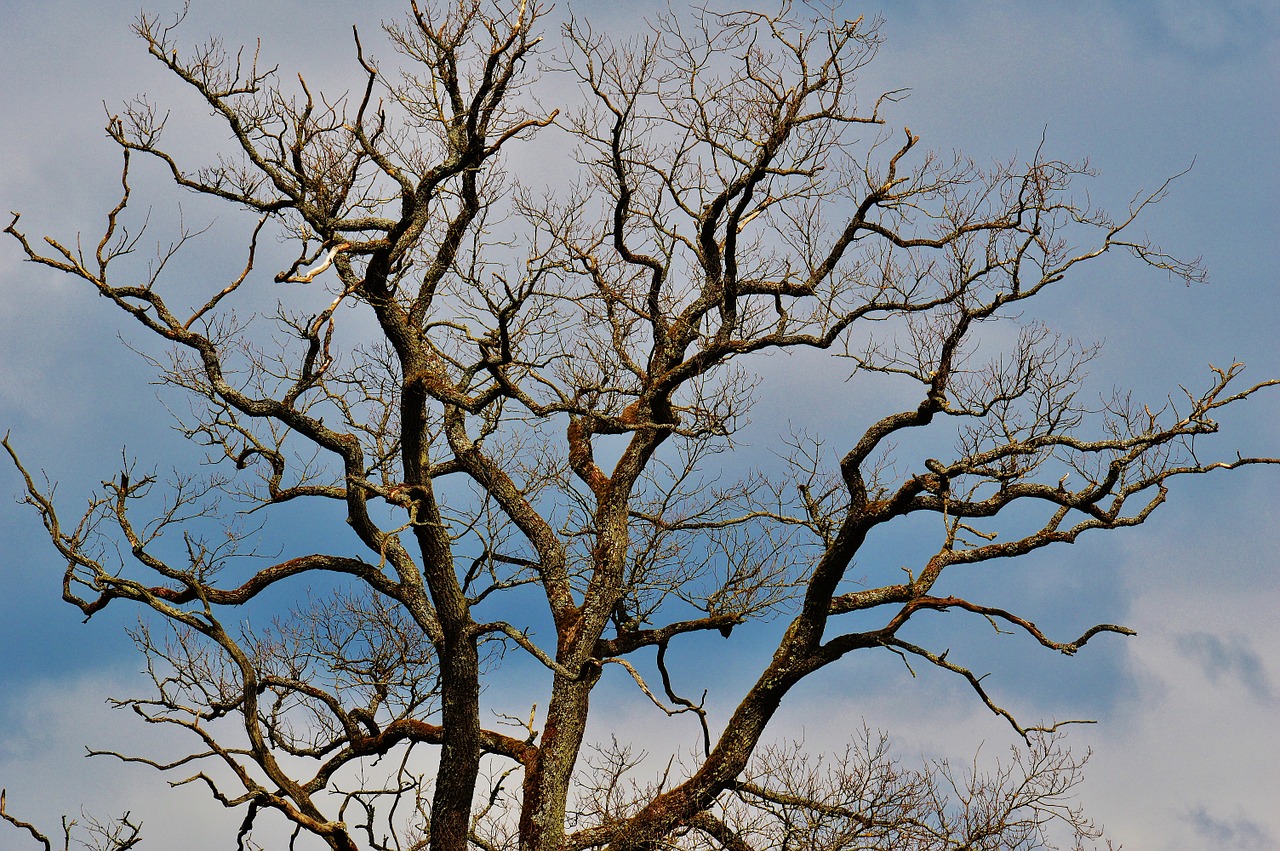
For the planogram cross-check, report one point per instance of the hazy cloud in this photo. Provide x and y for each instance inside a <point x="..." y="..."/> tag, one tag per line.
<point x="1232" y="657"/>
<point x="1238" y="834"/>
<point x="1208" y="31"/>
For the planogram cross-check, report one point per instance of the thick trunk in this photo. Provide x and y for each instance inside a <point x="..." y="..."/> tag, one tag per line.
<point x="548" y="778"/>
<point x="460" y="751"/>
<point x="460" y="699"/>
<point x="459" y="767"/>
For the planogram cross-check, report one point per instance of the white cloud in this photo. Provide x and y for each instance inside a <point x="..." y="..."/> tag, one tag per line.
<point x="46" y="729"/>
<point x="1193" y="761"/>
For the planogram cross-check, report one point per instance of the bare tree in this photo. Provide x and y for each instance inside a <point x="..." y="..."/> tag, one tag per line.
<point x="736" y="195"/>
<point x="117" y="834"/>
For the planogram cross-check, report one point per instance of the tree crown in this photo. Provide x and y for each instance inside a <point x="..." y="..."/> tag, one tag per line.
<point x="522" y="397"/>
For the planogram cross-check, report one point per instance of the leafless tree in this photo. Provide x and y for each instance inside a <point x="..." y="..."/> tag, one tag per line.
<point x="119" y="834"/>
<point x="487" y="342"/>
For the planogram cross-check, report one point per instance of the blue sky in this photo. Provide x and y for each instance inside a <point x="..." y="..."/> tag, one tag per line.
<point x="1186" y="755"/>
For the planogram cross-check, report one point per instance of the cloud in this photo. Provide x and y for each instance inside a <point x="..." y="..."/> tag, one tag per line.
<point x="46" y="728"/>
<point x="1240" y="833"/>
<point x="1207" y="31"/>
<point x="1179" y="765"/>
<point x="1227" y="657"/>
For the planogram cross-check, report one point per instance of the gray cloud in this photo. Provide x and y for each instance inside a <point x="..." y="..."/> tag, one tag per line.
<point x="1239" y="834"/>
<point x="1231" y="657"/>
<point x="1207" y="31"/>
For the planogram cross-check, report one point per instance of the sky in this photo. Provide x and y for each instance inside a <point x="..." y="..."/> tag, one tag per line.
<point x="1185" y="754"/>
